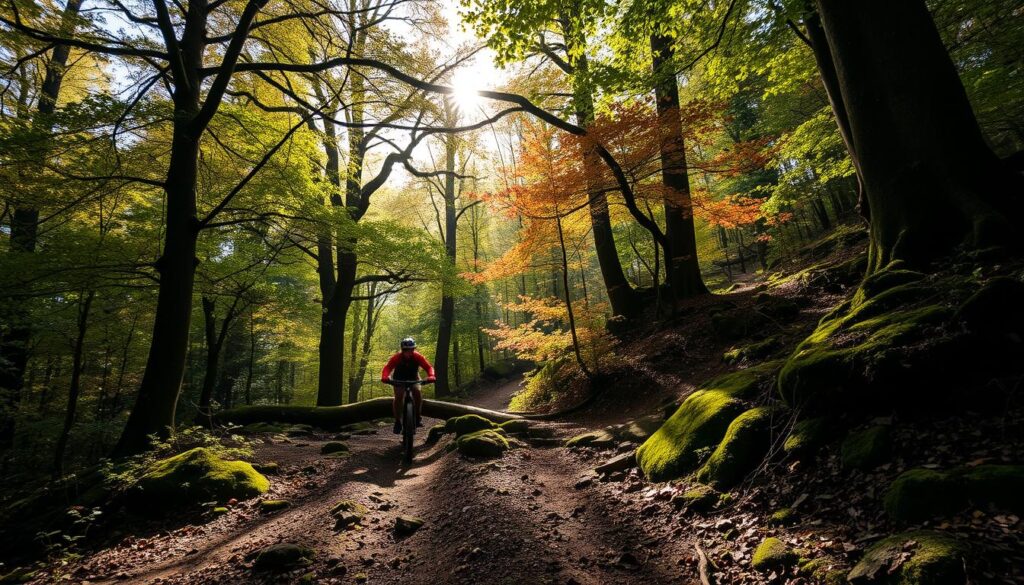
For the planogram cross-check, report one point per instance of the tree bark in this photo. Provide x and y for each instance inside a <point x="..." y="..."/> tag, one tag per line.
<point x="76" y="385"/>
<point x="621" y="296"/>
<point x="681" y="263"/>
<point x="444" y="331"/>
<point x="24" y="235"/>
<point x="932" y="183"/>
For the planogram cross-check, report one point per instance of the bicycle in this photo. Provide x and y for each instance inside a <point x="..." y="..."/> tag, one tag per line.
<point x="408" y="415"/>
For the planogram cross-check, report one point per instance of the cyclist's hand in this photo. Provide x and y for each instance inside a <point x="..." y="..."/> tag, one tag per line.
<point x="431" y="379"/>
<point x="385" y="381"/>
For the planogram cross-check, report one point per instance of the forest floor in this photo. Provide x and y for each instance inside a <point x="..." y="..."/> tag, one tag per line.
<point x="540" y="514"/>
<point x="517" y="519"/>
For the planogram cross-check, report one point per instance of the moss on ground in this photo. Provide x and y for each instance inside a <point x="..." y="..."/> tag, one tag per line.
<point x="435" y="433"/>
<point x="468" y="423"/>
<point x="273" y="505"/>
<point x="867" y="449"/>
<point x="773" y="554"/>
<point x="699" y="498"/>
<point x="516" y="427"/>
<point x="745" y="445"/>
<point x="482" y="443"/>
<point x="920" y="494"/>
<point x="598" y="439"/>
<point x="752" y="352"/>
<point x="935" y="558"/>
<point x="784" y="517"/>
<point x="699" y="424"/>
<point x="191" y="478"/>
<point x="860" y="346"/>
<point x="807" y="436"/>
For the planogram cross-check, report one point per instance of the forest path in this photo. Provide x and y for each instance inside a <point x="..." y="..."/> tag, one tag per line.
<point x="517" y="519"/>
<point x="496" y="396"/>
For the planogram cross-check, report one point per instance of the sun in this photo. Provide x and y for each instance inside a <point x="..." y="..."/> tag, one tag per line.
<point x="466" y="92"/>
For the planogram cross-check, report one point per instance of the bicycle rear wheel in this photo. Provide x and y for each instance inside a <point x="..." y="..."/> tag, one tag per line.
<point x="408" y="430"/>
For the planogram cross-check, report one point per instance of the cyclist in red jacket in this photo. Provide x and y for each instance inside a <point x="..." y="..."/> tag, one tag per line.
<point x="405" y="365"/>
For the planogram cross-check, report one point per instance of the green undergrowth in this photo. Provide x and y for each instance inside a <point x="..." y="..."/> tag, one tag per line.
<point x="682" y="443"/>
<point x="542" y="386"/>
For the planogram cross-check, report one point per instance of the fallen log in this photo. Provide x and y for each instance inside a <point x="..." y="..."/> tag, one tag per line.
<point x="334" y="417"/>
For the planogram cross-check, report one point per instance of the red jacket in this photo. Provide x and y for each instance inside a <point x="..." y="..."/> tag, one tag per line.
<point x="404" y="367"/>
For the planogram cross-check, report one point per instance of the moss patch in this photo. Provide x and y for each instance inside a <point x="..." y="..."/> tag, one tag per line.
<point x="807" y="436"/>
<point x="784" y="517"/>
<point x="935" y="559"/>
<point x="752" y="352"/>
<point x="773" y="554"/>
<point x="482" y="443"/>
<point x="468" y="423"/>
<point x="700" y="423"/>
<point x="921" y="494"/>
<point x="516" y="427"/>
<point x="867" y="449"/>
<point x="599" y="439"/>
<point x="347" y="514"/>
<point x="273" y="505"/>
<point x="435" y="433"/>
<point x="191" y="478"/>
<point x="746" y="442"/>
<point x="700" y="498"/>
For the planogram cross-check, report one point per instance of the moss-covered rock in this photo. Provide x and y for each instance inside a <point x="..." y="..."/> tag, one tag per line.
<point x="599" y="439"/>
<point x="699" y="498"/>
<point x="752" y="352"/>
<point x="469" y="423"/>
<point x="267" y="467"/>
<point x="267" y="506"/>
<point x="191" y="478"/>
<point x="516" y="427"/>
<point x="406" y="525"/>
<point x="334" y="447"/>
<point x="823" y="570"/>
<point x="283" y="557"/>
<point x="347" y="514"/>
<point x="773" y="554"/>
<point x="482" y="443"/>
<point x="699" y="424"/>
<point x="784" y="517"/>
<point x="1001" y="486"/>
<point x="807" y="436"/>
<point x="921" y="494"/>
<point x="867" y="449"/>
<point x="745" y="445"/>
<point x="935" y="558"/>
<point x="859" y="351"/>
<point x="995" y="308"/>
<point x="435" y="433"/>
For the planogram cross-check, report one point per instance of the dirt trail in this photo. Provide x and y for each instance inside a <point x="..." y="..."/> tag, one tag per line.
<point x="515" y="519"/>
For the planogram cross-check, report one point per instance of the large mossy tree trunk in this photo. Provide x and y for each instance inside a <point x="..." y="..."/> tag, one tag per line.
<point x="931" y="182"/>
<point x="681" y="263"/>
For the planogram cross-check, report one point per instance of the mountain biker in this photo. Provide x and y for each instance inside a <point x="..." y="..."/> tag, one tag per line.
<point x="405" y="365"/>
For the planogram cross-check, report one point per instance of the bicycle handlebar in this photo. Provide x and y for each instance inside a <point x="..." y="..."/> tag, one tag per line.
<point x="409" y="381"/>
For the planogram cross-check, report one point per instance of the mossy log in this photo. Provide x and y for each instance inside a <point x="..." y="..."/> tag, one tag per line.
<point x="334" y="417"/>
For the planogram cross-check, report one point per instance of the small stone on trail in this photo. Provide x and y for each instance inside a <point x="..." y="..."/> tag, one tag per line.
<point x="406" y="525"/>
<point x="333" y="447"/>
<point x="584" y="482"/>
<point x="273" y="505"/>
<point x="627" y="561"/>
<point x="618" y="463"/>
<point x="282" y="557"/>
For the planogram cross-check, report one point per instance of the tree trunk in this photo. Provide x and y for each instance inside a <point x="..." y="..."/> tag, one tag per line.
<point x="681" y="266"/>
<point x="155" y="405"/>
<point x="76" y="385"/>
<point x="931" y="181"/>
<point x="568" y="302"/>
<point x="621" y="296"/>
<point x="23" y="238"/>
<point x="444" y="331"/>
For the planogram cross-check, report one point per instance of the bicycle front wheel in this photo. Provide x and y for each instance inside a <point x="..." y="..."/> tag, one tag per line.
<point x="408" y="430"/>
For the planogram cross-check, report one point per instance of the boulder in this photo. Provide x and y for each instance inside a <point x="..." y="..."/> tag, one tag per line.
<point x="468" y="423"/>
<point x="282" y="557"/>
<point x="920" y="494"/>
<point x="913" y="558"/>
<point x="483" y="443"/>
<point x="1000" y="486"/>
<point x="407" y="525"/>
<point x="744" y="447"/>
<point x="191" y="478"/>
<point x="773" y="554"/>
<point x="807" y="436"/>
<point x="332" y="447"/>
